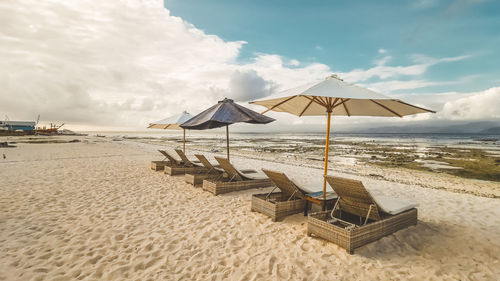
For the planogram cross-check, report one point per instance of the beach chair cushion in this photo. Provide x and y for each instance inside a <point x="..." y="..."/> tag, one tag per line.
<point x="252" y="175"/>
<point x="393" y="206"/>
<point x="281" y="181"/>
<point x="356" y="199"/>
<point x="311" y="187"/>
<point x="289" y="186"/>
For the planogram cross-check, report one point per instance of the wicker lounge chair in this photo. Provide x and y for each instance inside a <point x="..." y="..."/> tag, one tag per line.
<point x="358" y="217"/>
<point x="235" y="179"/>
<point x="168" y="160"/>
<point x="172" y="160"/>
<point x="211" y="172"/>
<point x="178" y="167"/>
<point x="212" y="168"/>
<point x="291" y="200"/>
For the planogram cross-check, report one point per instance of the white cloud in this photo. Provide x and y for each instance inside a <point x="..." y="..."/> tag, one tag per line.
<point x="382" y="51"/>
<point x="82" y="61"/>
<point x="394" y="85"/>
<point x="248" y="85"/>
<point x="382" y="71"/>
<point x="476" y="106"/>
<point x="456" y="106"/>
<point x="294" y="62"/>
<point x="423" y="59"/>
<point x="273" y="68"/>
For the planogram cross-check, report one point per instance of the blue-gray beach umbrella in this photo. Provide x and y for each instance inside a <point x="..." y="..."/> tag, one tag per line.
<point x="225" y="113"/>
<point x="173" y="123"/>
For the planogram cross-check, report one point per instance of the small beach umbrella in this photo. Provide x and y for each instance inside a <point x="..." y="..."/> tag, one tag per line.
<point x="173" y="123"/>
<point x="333" y="96"/>
<point x="225" y="113"/>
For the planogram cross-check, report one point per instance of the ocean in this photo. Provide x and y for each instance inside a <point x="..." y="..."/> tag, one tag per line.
<point x="259" y="139"/>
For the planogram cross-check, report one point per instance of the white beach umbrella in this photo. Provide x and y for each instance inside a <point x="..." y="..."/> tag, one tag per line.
<point x="333" y="96"/>
<point x="173" y="123"/>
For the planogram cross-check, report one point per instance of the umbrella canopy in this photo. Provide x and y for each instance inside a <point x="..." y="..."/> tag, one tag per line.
<point x="225" y="113"/>
<point x="333" y="96"/>
<point x="173" y="123"/>
<point x="337" y="97"/>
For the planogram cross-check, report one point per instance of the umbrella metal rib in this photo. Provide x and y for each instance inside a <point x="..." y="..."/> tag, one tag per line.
<point x="278" y="104"/>
<point x="345" y="107"/>
<point x="386" y="108"/>
<point x="407" y="104"/>
<point x="307" y="106"/>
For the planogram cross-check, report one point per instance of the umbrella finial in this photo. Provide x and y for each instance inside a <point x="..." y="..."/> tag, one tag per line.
<point x="225" y="100"/>
<point x="334" y="76"/>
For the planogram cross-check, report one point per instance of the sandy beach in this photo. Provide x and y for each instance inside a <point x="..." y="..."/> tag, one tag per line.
<point x="94" y="210"/>
<point x="395" y="103"/>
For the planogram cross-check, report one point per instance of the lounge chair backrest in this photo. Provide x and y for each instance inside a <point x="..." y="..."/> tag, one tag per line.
<point x="169" y="157"/>
<point x="184" y="158"/>
<point x="164" y="153"/>
<point x="353" y="197"/>
<point x="204" y="161"/>
<point x="281" y="181"/>
<point x="231" y="171"/>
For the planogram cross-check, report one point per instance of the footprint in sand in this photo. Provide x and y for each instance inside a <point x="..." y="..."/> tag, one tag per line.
<point x="44" y="257"/>
<point x="94" y="260"/>
<point x="280" y="271"/>
<point x="272" y="262"/>
<point x="305" y="246"/>
<point x="44" y="270"/>
<point x="76" y="273"/>
<point x="151" y="263"/>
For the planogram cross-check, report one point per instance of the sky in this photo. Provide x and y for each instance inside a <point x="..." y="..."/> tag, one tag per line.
<point x="119" y="65"/>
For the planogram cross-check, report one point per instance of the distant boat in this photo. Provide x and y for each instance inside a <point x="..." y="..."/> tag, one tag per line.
<point x="17" y="125"/>
<point x="49" y="131"/>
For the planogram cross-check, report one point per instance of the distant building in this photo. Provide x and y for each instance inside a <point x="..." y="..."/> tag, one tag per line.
<point x="17" y="125"/>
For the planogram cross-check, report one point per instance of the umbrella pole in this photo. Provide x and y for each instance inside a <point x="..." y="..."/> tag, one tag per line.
<point x="184" y="140"/>
<point x="227" y="141"/>
<point x="326" y="156"/>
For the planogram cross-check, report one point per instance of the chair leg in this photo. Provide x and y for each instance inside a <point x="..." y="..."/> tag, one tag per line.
<point x="269" y="194"/>
<point x="293" y="194"/>
<point x="334" y="207"/>
<point x="368" y="215"/>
